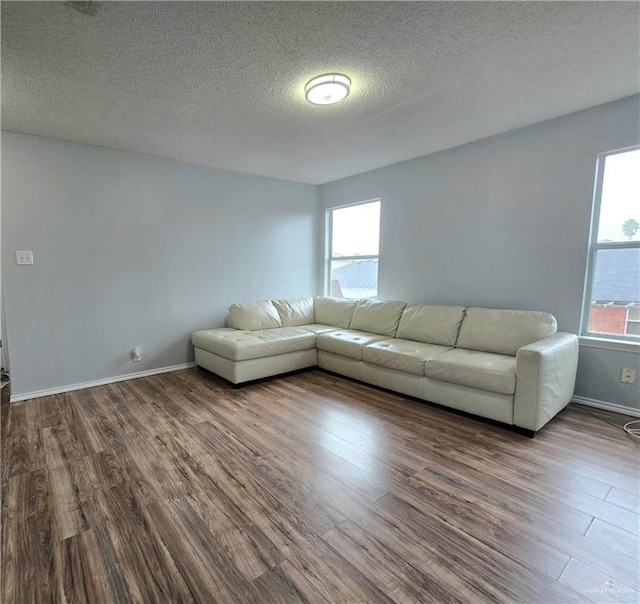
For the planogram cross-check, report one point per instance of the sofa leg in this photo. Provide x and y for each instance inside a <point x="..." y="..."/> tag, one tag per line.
<point x="524" y="431"/>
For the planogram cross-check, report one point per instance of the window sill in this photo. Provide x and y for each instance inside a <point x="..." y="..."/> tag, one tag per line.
<point x="609" y="344"/>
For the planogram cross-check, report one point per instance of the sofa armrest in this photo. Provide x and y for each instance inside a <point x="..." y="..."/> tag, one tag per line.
<point x="545" y="379"/>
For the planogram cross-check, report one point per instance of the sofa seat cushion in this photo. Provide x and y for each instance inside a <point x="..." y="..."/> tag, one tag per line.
<point x="347" y="342"/>
<point x="482" y="370"/>
<point x="237" y="345"/>
<point x="320" y="328"/>
<point x="402" y="355"/>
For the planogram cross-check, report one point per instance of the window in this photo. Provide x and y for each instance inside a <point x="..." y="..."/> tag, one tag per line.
<point x="612" y="292"/>
<point x="353" y="243"/>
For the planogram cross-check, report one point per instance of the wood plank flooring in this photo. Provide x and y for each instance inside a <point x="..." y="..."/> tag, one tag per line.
<point x="309" y="488"/>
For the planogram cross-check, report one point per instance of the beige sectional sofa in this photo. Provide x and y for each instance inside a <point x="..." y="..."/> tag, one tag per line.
<point x="507" y="365"/>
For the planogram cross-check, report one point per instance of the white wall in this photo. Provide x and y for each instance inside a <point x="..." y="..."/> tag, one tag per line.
<point x="133" y="250"/>
<point x="502" y="222"/>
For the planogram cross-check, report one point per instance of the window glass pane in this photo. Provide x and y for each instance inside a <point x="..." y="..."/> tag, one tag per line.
<point x="615" y="295"/>
<point x="633" y="328"/>
<point x="354" y="278"/>
<point x="356" y="230"/>
<point x="620" y="201"/>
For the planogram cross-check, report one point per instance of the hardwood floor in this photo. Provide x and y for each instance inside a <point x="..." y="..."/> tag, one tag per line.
<point x="308" y="488"/>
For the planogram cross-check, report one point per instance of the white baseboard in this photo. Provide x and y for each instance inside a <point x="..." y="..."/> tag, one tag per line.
<point x="591" y="402"/>
<point x="118" y="378"/>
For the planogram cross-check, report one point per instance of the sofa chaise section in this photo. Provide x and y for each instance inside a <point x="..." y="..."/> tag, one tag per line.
<point x="241" y="356"/>
<point x="256" y="344"/>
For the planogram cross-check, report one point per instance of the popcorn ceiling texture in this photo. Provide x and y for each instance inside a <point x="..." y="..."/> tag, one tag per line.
<point x="221" y="83"/>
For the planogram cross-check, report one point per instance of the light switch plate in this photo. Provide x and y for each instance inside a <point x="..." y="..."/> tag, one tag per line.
<point x="24" y="256"/>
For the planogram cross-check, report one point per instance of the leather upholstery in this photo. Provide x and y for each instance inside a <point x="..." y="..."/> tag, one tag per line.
<point x="295" y="312"/>
<point x="319" y="328"/>
<point x="483" y="370"/>
<point x="261" y="314"/>
<point x="334" y="311"/>
<point x="402" y="355"/>
<point x="346" y="342"/>
<point x="546" y="379"/>
<point x="431" y="323"/>
<point x="238" y="345"/>
<point x="483" y="403"/>
<point x="238" y="372"/>
<point x="376" y="316"/>
<point x="503" y="331"/>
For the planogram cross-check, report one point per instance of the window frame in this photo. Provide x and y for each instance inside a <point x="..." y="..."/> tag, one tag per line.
<point x="594" y="247"/>
<point x="328" y="244"/>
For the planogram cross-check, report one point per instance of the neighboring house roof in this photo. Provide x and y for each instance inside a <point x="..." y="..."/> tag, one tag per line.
<point x="617" y="276"/>
<point x="357" y="274"/>
<point x="616" y="279"/>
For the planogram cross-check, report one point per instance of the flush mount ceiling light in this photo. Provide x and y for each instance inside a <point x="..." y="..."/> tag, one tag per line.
<point x="327" y="89"/>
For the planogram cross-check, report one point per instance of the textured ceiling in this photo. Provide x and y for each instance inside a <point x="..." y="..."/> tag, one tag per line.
<point x="221" y="83"/>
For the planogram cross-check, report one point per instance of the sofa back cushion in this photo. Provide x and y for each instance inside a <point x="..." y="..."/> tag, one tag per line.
<point x="295" y="311"/>
<point x="252" y="316"/>
<point x="334" y="311"/>
<point x="504" y="331"/>
<point x="431" y="323"/>
<point x="377" y="316"/>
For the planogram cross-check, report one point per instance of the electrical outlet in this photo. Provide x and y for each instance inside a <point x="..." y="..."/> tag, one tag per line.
<point x="628" y="375"/>
<point x="24" y="257"/>
<point x="136" y="354"/>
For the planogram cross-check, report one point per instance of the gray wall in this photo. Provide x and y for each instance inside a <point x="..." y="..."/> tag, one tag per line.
<point x="132" y="251"/>
<point x="137" y="251"/>
<point x="502" y="222"/>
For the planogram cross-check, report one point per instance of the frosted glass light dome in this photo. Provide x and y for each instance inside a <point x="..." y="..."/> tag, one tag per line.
<point x="327" y="89"/>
